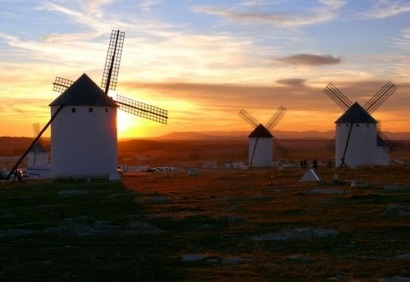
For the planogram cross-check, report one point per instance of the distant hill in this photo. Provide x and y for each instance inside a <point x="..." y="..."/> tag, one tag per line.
<point x="233" y="135"/>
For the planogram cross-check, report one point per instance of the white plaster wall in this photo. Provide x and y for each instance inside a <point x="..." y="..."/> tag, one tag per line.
<point x="83" y="143"/>
<point x="39" y="160"/>
<point x="262" y="153"/>
<point x="362" y="144"/>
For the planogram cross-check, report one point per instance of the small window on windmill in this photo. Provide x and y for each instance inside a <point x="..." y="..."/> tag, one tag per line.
<point x="73" y="110"/>
<point x="106" y="110"/>
<point x="367" y="125"/>
<point x="347" y="125"/>
<point x="90" y="110"/>
<point x="357" y="125"/>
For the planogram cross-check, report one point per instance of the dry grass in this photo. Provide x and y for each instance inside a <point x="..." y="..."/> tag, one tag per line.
<point x="220" y="225"/>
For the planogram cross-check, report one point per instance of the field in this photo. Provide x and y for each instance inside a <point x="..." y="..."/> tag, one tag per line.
<point x="219" y="225"/>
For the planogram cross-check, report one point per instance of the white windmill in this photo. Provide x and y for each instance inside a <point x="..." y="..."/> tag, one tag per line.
<point x="261" y="140"/>
<point x="84" y="122"/>
<point x="38" y="158"/>
<point x="359" y="140"/>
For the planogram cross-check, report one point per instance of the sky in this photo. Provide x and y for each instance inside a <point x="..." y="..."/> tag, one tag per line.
<point x="204" y="61"/>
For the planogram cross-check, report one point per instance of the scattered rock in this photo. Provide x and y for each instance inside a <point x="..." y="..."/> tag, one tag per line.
<point x="16" y="232"/>
<point x="159" y="199"/>
<point x="257" y="197"/>
<point x="72" y="193"/>
<point x="193" y="257"/>
<point x="143" y="228"/>
<point x="394" y="187"/>
<point x="398" y="209"/>
<point x="403" y="256"/>
<point x="231" y="219"/>
<point x="234" y="260"/>
<point x="296" y="234"/>
<point x="395" y="279"/>
<point x="325" y="191"/>
<point x="208" y="259"/>
<point x="299" y="258"/>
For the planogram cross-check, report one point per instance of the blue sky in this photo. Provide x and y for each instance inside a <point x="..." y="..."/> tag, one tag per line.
<point x="205" y="60"/>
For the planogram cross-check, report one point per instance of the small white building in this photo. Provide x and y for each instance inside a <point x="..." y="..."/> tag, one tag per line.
<point x="38" y="161"/>
<point x="260" y="147"/>
<point x="357" y="141"/>
<point x="84" y="133"/>
<point x="38" y="157"/>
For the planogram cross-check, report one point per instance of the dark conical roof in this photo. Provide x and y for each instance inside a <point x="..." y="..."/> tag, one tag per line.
<point x="84" y="92"/>
<point x="356" y="114"/>
<point x="260" y="132"/>
<point x="38" y="148"/>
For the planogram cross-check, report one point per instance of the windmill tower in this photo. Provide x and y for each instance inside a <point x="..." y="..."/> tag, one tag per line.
<point x="261" y="140"/>
<point x="84" y="122"/>
<point x="358" y="140"/>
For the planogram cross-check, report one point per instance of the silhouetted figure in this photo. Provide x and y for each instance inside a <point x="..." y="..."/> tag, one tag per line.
<point x="314" y="163"/>
<point x="329" y="164"/>
<point x="305" y="164"/>
<point x="301" y="164"/>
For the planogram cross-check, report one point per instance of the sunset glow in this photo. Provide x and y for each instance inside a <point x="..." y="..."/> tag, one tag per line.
<point x="204" y="61"/>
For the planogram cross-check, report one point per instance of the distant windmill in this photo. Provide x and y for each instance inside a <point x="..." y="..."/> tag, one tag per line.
<point x="84" y="136"/>
<point x="38" y="156"/>
<point x="261" y="140"/>
<point x="366" y="144"/>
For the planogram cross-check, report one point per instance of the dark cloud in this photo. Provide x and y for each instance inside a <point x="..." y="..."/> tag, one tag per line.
<point x="297" y="95"/>
<point x="310" y="60"/>
<point x="292" y="82"/>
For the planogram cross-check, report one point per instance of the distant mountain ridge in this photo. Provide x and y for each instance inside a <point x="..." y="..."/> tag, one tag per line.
<point x="226" y="135"/>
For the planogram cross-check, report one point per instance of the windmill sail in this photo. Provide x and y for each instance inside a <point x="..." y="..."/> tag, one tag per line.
<point x="142" y="110"/>
<point x="61" y="84"/>
<point x="248" y="118"/>
<point x="385" y="92"/>
<point x="337" y="96"/>
<point x="276" y="117"/>
<point x="280" y="147"/>
<point x="113" y="60"/>
<point x="331" y="145"/>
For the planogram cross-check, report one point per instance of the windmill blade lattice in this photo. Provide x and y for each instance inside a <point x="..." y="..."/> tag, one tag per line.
<point x="276" y="117"/>
<point x="36" y="128"/>
<point x="142" y="110"/>
<point x="337" y="96"/>
<point x="61" y="84"/>
<point x="113" y="60"/>
<point x="385" y="92"/>
<point x="331" y="145"/>
<point x="248" y="118"/>
<point x="280" y="147"/>
<point x="387" y="144"/>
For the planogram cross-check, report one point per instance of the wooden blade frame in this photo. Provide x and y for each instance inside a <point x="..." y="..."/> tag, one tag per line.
<point x="61" y="84"/>
<point x="276" y="117"/>
<point x="248" y="118"/>
<point x="331" y="145"/>
<point x="113" y="60"/>
<point x="389" y="145"/>
<point x="337" y="96"/>
<point x="385" y="92"/>
<point x="280" y="147"/>
<point x="142" y="110"/>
